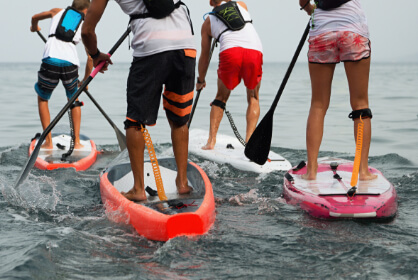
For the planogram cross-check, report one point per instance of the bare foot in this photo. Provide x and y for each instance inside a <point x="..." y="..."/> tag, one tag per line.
<point x="367" y="176"/>
<point x="182" y="188"/>
<point x="308" y="176"/>
<point x="78" y="146"/>
<point x="47" y="145"/>
<point x="209" y="146"/>
<point x="135" y="196"/>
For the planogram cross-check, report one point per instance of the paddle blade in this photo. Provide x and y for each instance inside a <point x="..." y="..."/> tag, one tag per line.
<point x="258" y="147"/>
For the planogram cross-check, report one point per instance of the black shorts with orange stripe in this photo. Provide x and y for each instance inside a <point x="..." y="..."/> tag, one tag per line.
<point x="175" y="70"/>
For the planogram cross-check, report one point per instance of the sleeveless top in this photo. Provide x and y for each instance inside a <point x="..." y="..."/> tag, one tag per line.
<point x="58" y="49"/>
<point x="348" y="17"/>
<point x="152" y="36"/>
<point x="246" y="38"/>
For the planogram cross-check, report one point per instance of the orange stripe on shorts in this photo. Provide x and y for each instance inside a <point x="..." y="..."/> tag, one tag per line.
<point x="172" y="96"/>
<point x="190" y="53"/>
<point x="179" y="112"/>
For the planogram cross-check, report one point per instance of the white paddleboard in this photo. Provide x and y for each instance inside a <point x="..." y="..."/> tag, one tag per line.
<point x="229" y="150"/>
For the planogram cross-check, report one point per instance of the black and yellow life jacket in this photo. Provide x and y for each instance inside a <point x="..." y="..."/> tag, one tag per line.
<point x="231" y="16"/>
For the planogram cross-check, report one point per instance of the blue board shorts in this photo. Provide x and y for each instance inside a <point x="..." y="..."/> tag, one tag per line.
<point x="51" y="72"/>
<point x="173" y="69"/>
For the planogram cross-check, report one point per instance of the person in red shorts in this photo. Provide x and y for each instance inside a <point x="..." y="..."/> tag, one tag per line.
<point x="240" y="58"/>
<point x="339" y="33"/>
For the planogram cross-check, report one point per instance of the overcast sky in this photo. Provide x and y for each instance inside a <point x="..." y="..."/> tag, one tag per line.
<point x="280" y="24"/>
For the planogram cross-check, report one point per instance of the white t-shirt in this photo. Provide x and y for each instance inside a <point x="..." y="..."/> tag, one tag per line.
<point x="151" y="36"/>
<point x="245" y="38"/>
<point x="348" y="17"/>
<point x="59" y="49"/>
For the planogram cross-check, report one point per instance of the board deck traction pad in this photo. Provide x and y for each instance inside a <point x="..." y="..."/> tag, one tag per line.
<point x="175" y="203"/>
<point x="174" y="200"/>
<point x="326" y="184"/>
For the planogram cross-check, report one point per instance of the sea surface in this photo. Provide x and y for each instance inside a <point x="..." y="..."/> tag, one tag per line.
<point x="54" y="226"/>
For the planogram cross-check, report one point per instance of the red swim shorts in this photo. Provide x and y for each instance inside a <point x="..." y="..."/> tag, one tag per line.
<point x="337" y="46"/>
<point x="239" y="63"/>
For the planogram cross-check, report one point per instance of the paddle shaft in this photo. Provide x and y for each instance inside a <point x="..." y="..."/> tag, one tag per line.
<point x="258" y="146"/>
<point x="42" y="36"/>
<point x="290" y="68"/>
<point x="119" y="135"/>
<point x="198" y="92"/>
<point x="31" y="160"/>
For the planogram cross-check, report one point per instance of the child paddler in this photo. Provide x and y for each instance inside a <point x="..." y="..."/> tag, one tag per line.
<point x="60" y="62"/>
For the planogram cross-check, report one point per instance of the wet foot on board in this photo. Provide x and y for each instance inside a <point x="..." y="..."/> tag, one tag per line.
<point x="135" y="196"/>
<point x="367" y="177"/>
<point x="48" y="146"/>
<point x="78" y="146"/>
<point x="183" y="188"/>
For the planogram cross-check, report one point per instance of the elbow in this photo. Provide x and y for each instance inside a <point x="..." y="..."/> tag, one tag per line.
<point x="86" y="33"/>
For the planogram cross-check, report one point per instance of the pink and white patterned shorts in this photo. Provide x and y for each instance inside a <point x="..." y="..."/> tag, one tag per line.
<point x="337" y="46"/>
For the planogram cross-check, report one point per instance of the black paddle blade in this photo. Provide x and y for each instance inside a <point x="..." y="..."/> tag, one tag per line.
<point x="258" y="147"/>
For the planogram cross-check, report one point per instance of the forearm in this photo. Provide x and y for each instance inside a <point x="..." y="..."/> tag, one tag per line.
<point x="203" y="67"/>
<point x="36" y="18"/>
<point x="89" y="67"/>
<point x="88" y="32"/>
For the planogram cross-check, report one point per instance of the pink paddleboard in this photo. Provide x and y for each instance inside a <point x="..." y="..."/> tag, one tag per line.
<point x="326" y="197"/>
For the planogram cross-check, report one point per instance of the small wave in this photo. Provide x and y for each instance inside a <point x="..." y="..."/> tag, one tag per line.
<point x="36" y="193"/>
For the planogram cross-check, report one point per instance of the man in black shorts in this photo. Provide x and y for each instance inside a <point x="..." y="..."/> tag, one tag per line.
<point x="164" y="54"/>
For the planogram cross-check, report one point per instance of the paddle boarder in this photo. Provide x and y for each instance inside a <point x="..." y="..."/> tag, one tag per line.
<point x="164" y="54"/>
<point x="339" y="33"/>
<point x="240" y="58"/>
<point x="60" y="62"/>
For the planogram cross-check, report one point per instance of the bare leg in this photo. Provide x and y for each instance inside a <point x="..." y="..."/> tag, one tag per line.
<point x="76" y="115"/>
<point x="358" y="82"/>
<point x="216" y="115"/>
<point x="135" y="143"/>
<point x="180" y="139"/>
<point x="45" y="121"/>
<point x="321" y="80"/>
<point x="253" y="110"/>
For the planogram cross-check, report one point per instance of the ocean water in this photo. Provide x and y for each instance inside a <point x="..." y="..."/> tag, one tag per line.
<point x="54" y="225"/>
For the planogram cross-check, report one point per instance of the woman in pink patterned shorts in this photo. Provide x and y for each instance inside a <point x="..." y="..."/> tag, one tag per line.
<point x="339" y="33"/>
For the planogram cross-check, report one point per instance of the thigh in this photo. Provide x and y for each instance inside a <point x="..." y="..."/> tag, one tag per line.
<point x="352" y="46"/>
<point x="321" y="82"/>
<point x="230" y="63"/>
<point x="48" y="78"/>
<point x="144" y="89"/>
<point x="358" y="82"/>
<point x="323" y="48"/>
<point x="69" y="78"/>
<point x="251" y="70"/>
<point x="180" y="81"/>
